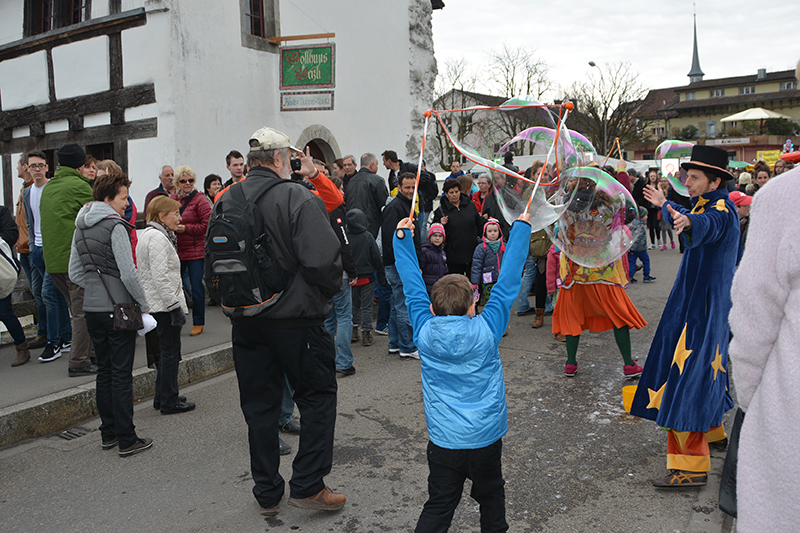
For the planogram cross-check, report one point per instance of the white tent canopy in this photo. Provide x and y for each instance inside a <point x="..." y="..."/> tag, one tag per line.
<point x="756" y="113"/>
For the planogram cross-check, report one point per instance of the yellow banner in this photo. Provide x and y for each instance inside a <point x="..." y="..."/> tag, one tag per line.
<point x="769" y="156"/>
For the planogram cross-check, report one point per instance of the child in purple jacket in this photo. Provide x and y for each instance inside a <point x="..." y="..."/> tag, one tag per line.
<point x="433" y="259"/>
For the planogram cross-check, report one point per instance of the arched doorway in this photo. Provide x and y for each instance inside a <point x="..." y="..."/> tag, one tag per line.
<point x="320" y="142"/>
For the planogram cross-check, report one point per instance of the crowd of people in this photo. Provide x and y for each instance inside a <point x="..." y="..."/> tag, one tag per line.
<point x="353" y="238"/>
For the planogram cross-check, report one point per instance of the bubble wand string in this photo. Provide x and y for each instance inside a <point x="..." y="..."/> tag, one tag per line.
<point x="614" y="146"/>
<point x="419" y="164"/>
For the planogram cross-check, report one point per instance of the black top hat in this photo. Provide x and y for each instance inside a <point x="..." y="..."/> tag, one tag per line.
<point x="709" y="159"/>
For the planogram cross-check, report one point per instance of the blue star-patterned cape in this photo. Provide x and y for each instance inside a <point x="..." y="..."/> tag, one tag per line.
<point x="684" y="385"/>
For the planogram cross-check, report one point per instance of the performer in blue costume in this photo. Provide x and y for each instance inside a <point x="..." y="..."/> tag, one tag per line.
<point x="684" y="384"/>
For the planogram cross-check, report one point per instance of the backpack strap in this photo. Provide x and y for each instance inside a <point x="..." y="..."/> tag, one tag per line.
<point x="237" y="194"/>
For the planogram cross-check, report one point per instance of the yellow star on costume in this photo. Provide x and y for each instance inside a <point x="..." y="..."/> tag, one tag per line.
<point x="699" y="207"/>
<point x="656" y="396"/>
<point x="681" y="353"/>
<point x="716" y="364"/>
<point x="720" y="205"/>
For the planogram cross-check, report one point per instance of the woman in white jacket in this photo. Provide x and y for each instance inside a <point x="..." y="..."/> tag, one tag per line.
<point x="160" y="273"/>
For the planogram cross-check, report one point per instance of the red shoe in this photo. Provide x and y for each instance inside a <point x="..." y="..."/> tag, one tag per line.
<point x="570" y="370"/>
<point x="632" y="371"/>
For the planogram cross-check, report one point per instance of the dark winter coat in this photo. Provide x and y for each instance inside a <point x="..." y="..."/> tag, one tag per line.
<point x="464" y="228"/>
<point x="367" y="191"/>
<point x="339" y="225"/>
<point x="397" y="210"/>
<point x="434" y="264"/>
<point x="367" y="258"/>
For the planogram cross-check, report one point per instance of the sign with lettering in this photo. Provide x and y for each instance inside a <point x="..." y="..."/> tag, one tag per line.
<point x="307" y="101"/>
<point x="770" y="157"/>
<point x="308" y="67"/>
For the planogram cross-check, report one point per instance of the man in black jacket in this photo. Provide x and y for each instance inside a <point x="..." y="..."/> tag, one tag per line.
<point x="401" y="336"/>
<point x="367" y="191"/>
<point x="288" y="337"/>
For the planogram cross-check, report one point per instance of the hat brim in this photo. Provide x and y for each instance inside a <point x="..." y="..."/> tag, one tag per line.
<point x="721" y="172"/>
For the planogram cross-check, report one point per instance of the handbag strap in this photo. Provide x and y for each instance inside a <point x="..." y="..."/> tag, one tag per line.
<point x="188" y="201"/>
<point x="99" y="274"/>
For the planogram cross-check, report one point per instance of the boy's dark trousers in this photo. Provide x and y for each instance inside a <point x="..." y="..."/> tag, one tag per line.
<point x="448" y="471"/>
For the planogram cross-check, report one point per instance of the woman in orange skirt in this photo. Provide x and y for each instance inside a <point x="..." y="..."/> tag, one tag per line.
<point x="595" y="299"/>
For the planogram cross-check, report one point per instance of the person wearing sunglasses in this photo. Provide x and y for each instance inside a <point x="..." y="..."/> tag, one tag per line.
<point x="191" y="233"/>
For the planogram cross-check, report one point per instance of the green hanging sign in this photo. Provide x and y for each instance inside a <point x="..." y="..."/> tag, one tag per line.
<point x="308" y="66"/>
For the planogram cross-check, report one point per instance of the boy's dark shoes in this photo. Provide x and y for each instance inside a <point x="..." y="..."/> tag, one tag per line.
<point x="325" y="500"/>
<point x="346" y="371"/>
<point x="109" y="444"/>
<point x="570" y="370"/>
<point x="528" y="312"/>
<point x="634" y="280"/>
<point x="40" y="341"/>
<point x="394" y="351"/>
<point x="649" y="279"/>
<point x="354" y="338"/>
<point x="681" y="478"/>
<point x="88" y="370"/>
<point x="384" y="331"/>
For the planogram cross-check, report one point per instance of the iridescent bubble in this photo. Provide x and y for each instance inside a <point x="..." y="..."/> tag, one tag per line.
<point x="670" y="155"/>
<point x="511" y="190"/>
<point x="597" y="227"/>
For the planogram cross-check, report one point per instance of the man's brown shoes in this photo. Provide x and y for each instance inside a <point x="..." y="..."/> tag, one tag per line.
<point x="325" y="500"/>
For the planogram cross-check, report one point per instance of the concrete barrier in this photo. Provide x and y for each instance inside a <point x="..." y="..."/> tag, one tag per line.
<point x="59" y="411"/>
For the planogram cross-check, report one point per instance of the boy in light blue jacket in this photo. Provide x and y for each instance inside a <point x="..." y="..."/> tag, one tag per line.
<point x="462" y="379"/>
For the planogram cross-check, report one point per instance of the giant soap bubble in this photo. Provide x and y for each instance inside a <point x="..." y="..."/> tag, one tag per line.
<point x="670" y="155"/>
<point x="597" y="226"/>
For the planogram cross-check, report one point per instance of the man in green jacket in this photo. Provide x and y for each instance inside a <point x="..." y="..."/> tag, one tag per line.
<point x="63" y="197"/>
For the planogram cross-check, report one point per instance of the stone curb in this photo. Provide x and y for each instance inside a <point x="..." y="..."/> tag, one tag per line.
<point x="61" y="410"/>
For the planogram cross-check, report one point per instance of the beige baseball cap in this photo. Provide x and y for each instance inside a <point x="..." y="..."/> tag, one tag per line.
<point x="270" y="139"/>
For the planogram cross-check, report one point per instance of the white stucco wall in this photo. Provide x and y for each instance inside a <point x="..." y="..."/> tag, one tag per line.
<point x="23" y="81"/>
<point x="81" y="67"/>
<point x="11" y="15"/>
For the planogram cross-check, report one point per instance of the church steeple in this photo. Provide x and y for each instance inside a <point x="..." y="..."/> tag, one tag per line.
<point x="696" y="74"/>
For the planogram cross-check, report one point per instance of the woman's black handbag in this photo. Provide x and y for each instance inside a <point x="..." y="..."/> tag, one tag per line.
<point x="127" y="316"/>
<point x="727" y="484"/>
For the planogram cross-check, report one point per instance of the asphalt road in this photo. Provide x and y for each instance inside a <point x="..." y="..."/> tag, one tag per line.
<point x="573" y="460"/>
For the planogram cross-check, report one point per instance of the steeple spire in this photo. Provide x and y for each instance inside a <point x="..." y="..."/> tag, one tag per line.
<point x="696" y="74"/>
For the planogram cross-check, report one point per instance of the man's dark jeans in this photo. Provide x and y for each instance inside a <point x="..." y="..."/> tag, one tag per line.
<point x="448" y="471"/>
<point x="262" y="355"/>
<point x="114" y="351"/>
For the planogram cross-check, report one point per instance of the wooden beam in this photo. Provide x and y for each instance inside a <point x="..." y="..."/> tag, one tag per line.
<point x="89" y="104"/>
<point x="138" y="129"/>
<point x="7" y="185"/>
<point x="284" y="38"/>
<point x="75" y="32"/>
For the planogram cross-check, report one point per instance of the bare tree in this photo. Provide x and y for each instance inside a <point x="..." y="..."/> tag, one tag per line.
<point x="517" y="71"/>
<point x="607" y="104"/>
<point x="454" y="88"/>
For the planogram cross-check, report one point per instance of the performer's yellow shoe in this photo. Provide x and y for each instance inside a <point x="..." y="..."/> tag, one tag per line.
<point x="196" y="330"/>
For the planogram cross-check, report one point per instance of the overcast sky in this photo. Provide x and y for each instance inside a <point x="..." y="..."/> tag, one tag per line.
<point x="735" y="37"/>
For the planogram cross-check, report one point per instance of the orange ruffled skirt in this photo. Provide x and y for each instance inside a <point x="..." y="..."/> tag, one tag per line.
<point x="596" y="307"/>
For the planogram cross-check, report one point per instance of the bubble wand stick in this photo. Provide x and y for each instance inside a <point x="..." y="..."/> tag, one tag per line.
<point x="568" y="106"/>
<point x="428" y="114"/>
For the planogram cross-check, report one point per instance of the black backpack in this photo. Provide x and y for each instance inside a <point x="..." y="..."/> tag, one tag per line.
<point x="241" y="270"/>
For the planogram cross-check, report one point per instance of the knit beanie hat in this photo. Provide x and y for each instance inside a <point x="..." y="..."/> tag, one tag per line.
<point x="71" y="155"/>
<point x="436" y="228"/>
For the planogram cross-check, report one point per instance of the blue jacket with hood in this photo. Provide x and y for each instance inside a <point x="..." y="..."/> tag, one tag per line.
<point x="462" y="375"/>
